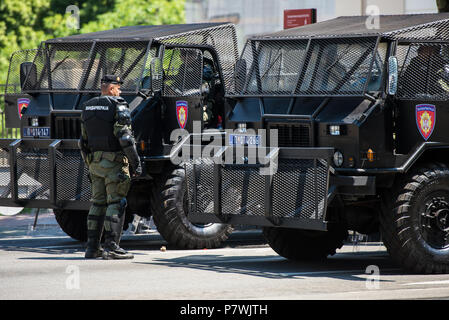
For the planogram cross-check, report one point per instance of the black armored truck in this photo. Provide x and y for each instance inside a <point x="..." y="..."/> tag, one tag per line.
<point x="336" y="126"/>
<point x="174" y="75"/>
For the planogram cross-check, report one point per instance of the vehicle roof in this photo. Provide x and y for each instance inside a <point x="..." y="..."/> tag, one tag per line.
<point x="137" y="33"/>
<point x="412" y="26"/>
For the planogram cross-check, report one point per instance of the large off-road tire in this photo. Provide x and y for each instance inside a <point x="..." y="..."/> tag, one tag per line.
<point x="415" y="220"/>
<point x="301" y="245"/>
<point x="73" y="222"/>
<point x="169" y="207"/>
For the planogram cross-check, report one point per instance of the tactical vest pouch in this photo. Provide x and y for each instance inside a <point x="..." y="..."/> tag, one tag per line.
<point x="97" y="155"/>
<point x="109" y="156"/>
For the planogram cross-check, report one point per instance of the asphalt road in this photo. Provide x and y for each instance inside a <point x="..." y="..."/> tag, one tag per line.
<point x="46" y="264"/>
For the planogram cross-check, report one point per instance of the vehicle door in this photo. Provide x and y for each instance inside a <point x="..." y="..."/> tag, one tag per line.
<point x="421" y="113"/>
<point x="181" y="91"/>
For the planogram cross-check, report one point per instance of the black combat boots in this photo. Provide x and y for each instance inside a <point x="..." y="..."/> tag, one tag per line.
<point x="113" y="251"/>
<point x="94" y="249"/>
<point x="113" y="234"/>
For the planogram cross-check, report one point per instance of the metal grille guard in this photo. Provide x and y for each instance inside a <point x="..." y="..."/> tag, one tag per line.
<point x="43" y="173"/>
<point x="295" y="196"/>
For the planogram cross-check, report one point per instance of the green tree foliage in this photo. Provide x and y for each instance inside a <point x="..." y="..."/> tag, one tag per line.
<point x="25" y="23"/>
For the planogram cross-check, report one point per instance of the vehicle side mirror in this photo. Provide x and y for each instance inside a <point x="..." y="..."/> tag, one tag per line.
<point x="240" y="75"/>
<point x="28" y="75"/>
<point x="145" y="83"/>
<point x="156" y="74"/>
<point x="392" y="84"/>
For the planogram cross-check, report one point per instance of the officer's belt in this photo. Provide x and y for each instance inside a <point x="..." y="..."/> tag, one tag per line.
<point x="111" y="156"/>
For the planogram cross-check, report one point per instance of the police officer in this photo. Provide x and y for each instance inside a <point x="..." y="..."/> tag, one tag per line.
<point x="210" y="79"/>
<point x="443" y="78"/>
<point x="108" y="149"/>
<point x="209" y="103"/>
<point x="427" y="73"/>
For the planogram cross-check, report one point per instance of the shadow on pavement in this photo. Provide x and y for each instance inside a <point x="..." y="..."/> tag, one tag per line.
<point x="348" y="266"/>
<point x="54" y="245"/>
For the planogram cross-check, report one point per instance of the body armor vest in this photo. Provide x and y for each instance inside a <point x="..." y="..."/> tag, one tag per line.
<point x="98" y="117"/>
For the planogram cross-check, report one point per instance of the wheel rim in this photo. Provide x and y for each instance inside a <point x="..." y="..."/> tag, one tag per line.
<point x="434" y="221"/>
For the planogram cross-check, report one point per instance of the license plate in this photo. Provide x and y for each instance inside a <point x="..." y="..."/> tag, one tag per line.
<point x="41" y="132"/>
<point x="244" y="140"/>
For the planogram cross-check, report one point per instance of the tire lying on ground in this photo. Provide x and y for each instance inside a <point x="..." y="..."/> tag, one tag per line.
<point x="169" y="206"/>
<point x="415" y="220"/>
<point x="300" y="245"/>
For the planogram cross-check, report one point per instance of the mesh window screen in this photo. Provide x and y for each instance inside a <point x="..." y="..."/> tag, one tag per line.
<point x="80" y="66"/>
<point x="121" y="59"/>
<point x="313" y="67"/>
<point x="77" y="63"/>
<point x="278" y="64"/>
<point x="222" y="38"/>
<point x="182" y="72"/>
<point x="60" y="67"/>
<point x="337" y="66"/>
<point x="17" y="58"/>
<point x="423" y="71"/>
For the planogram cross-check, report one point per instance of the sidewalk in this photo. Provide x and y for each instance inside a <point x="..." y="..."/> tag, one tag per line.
<point x="21" y="225"/>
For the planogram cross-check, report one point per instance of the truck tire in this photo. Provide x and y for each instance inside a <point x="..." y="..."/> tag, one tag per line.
<point x="300" y="245"/>
<point x="169" y="208"/>
<point x="415" y="221"/>
<point x="73" y="223"/>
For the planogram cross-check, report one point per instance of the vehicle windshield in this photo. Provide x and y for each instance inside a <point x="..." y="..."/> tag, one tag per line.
<point x="348" y="66"/>
<point x="80" y="66"/>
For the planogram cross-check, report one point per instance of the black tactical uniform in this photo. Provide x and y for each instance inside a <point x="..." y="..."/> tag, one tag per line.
<point x="108" y="147"/>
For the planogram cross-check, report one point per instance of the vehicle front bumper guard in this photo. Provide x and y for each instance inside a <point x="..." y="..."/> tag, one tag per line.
<point x="295" y="194"/>
<point x="43" y="173"/>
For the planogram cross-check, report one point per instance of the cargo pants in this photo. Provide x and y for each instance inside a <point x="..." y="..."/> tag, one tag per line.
<point x="109" y="173"/>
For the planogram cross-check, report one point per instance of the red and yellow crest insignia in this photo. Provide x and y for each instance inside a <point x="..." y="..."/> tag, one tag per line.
<point x="182" y="113"/>
<point x="22" y="103"/>
<point x="425" y="119"/>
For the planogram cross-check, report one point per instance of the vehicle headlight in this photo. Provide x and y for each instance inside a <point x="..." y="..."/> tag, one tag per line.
<point x="241" y="127"/>
<point x="338" y="158"/>
<point x="35" y="122"/>
<point x="334" y="130"/>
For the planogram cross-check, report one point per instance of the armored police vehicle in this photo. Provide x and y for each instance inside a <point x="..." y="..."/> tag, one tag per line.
<point x="356" y="138"/>
<point x="162" y="69"/>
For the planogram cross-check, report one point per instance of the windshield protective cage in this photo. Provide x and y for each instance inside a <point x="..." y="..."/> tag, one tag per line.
<point x="311" y="67"/>
<point x="221" y="38"/>
<point x="77" y="63"/>
<point x="68" y="67"/>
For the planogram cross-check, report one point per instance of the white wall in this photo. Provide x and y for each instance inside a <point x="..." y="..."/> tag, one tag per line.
<point x="358" y="7"/>
<point x="262" y="16"/>
<point x="420" y="6"/>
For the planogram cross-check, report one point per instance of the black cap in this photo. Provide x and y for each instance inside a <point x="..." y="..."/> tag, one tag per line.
<point x="110" y="78"/>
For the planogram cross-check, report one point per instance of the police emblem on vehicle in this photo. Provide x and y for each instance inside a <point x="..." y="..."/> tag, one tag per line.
<point x="22" y="103"/>
<point x="425" y="119"/>
<point x="182" y="113"/>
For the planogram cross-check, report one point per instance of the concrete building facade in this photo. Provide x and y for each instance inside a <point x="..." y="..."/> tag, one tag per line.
<point x="260" y="16"/>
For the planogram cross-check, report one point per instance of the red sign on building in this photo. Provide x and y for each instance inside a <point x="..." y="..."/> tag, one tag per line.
<point x="299" y="17"/>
